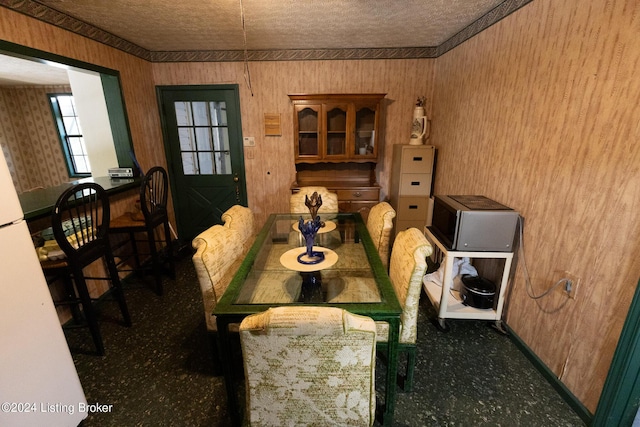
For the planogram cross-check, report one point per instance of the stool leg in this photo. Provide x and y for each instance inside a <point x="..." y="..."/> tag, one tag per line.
<point x="117" y="287"/>
<point x="134" y="248"/>
<point x="87" y="307"/>
<point x="155" y="260"/>
<point x="167" y="236"/>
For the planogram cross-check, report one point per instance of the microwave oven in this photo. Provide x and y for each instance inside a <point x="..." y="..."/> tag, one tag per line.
<point x="473" y="223"/>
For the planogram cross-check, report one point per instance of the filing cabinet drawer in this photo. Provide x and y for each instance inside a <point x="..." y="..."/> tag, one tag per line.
<point x="413" y="208"/>
<point x="415" y="184"/>
<point x="417" y="160"/>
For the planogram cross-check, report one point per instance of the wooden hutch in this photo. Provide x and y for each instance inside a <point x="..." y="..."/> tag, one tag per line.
<point x="336" y="142"/>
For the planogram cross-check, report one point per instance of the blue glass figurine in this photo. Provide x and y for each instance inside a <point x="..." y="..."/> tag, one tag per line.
<point x="309" y="230"/>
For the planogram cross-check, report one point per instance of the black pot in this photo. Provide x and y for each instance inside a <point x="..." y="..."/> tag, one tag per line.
<point x="477" y="291"/>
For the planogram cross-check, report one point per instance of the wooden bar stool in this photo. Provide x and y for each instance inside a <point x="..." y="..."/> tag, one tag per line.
<point x="80" y="223"/>
<point x="154" y="192"/>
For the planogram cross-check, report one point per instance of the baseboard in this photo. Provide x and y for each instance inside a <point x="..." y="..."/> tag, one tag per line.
<point x="562" y="390"/>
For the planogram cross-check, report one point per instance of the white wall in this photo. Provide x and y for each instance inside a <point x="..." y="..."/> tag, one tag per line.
<point x="94" y="120"/>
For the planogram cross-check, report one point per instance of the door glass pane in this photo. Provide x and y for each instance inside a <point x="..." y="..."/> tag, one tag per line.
<point x="206" y="163"/>
<point x="336" y="131"/>
<point x="189" y="163"/>
<point x="200" y="114"/>
<point x="221" y="139"/>
<point x="223" y="163"/>
<point x="218" y="113"/>
<point x="204" y="138"/>
<point x="183" y="113"/>
<point x="308" y="132"/>
<point x="187" y="139"/>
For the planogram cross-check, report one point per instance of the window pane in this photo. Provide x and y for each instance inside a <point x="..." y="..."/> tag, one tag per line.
<point x="77" y="146"/>
<point x="223" y="163"/>
<point x="189" y="164"/>
<point x="72" y="125"/>
<point x="66" y="105"/>
<point x="183" y="113"/>
<point x="187" y="139"/>
<point x="221" y="139"/>
<point x="200" y="114"/>
<point x="218" y="113"/>
<point x="203" y="136"/>
<point x="81" y="164"/>
<point x="206" y="163"/>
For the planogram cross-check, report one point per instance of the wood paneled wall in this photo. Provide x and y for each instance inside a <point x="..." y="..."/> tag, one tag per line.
<point x="270" y="168"/>
<point x="540" y="112"/>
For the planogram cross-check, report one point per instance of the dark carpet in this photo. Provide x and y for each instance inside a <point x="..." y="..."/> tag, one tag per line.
<point x="159" y="371"/>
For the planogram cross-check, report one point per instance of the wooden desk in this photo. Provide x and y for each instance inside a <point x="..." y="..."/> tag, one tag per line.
<point x="357" y="282"/>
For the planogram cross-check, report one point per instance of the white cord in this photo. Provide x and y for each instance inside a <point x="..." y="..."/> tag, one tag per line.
<point x="526" y="271"/>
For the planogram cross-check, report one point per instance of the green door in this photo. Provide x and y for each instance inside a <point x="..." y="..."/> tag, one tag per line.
<point x="203" y="143"/>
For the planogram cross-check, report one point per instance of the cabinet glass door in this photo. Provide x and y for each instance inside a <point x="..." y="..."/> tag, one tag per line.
<point x="365" y="136"/>
<point x="308" y="131"/>
<point x="336" y="126"/>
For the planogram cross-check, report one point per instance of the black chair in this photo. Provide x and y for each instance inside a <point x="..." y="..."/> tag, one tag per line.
<point x="154" y="192"/>
<point x="80" y="224"/>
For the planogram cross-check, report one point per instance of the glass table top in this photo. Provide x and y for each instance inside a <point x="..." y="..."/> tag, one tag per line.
<point x="270" y="274"/>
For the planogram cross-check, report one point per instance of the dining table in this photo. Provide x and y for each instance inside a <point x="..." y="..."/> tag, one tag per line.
<point x="351" y="276"/>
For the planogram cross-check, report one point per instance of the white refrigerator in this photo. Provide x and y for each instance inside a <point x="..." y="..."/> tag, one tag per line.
<point x="39" y="384"/>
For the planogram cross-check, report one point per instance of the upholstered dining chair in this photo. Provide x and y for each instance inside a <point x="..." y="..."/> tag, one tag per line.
<point x="241" y="219"/>
<point x="380" y="225"/>
<point x="406" y="270"/>
<point x="309" y="366"/>
<point x="154" y="193"/>
<point x="218" y="255"/>
<point x="329" y="200"/>
<point x="80" y="224"/>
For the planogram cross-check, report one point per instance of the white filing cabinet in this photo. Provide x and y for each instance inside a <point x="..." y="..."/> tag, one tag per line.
<point x="494" y="266"/>
<point x="411" y="178"/>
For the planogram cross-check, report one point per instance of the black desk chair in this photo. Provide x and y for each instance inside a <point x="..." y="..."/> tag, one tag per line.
<point x="154" y="192"/>
<point x="80" y="223"/>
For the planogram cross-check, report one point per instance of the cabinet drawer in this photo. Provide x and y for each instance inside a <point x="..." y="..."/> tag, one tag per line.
<point x="417" y="160"/>
<point x="414" y="208"/>
<point x="415" y="184"/>
<point x="359" y="194"/>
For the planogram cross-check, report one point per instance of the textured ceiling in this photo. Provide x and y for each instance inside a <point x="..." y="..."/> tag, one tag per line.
<point x="275" y="30"/>
<point x="188" y="25"/>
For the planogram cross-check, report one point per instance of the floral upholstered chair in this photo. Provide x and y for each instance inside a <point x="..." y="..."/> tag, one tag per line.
<point x="329" y="200"/>
<point x="218" y="255"/>
<point x="406" y="270"/>
<point x="380" y="225"/>
<point x="309" y="366"/>
<point x="241" y="219"/>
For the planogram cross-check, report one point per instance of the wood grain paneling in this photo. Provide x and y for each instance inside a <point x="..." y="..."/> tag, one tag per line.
<point x="270" y="168"/>
<point x="540" y="113"/>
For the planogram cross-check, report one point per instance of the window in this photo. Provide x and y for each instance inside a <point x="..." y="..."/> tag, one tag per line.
<point x="68" y="123"/>
<point x="204" y="137"/>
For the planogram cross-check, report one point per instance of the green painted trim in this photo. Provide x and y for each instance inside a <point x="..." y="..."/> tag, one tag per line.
<point x="564" y="392"/>
<point x="618" y="403"/>
<point x="111" y="88"/>
<point x="118" y="120"/>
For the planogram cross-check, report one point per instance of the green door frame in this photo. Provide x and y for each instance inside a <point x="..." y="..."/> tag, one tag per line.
<point x="620" y="396"/>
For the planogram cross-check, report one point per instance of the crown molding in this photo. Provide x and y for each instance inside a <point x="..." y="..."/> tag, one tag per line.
<point x="51" y="16"/>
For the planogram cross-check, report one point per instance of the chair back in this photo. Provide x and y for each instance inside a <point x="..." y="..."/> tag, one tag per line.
<point x="309" y="366"/>
<point x="218" y="253"/>
<point x="154" y="192"/>
<point x="241" y="219"/>
<point x="380" y="225"/>
<point x="406" y="270"/>
<point x="80" y="222"/>
<point x="329" y="200"/>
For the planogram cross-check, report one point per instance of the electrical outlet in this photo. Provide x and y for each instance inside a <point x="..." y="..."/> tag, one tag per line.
<point x="570" y="285"/>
